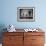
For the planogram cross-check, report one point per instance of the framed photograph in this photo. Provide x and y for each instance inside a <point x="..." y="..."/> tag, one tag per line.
<point x="26" y="14"/>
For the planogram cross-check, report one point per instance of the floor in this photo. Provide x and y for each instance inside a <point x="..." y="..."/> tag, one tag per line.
<point x="1" y="45"/>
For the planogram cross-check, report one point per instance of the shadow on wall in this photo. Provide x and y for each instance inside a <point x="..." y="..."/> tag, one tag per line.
<point x="2" y="26"/>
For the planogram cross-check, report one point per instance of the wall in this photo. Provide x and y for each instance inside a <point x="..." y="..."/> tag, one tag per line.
<point x="8" y="13"/>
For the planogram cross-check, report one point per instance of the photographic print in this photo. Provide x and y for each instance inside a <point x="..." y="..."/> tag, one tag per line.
<point x="26" y="14"/>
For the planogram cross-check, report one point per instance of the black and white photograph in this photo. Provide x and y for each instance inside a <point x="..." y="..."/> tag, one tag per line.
<point x="25" y="14"/>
